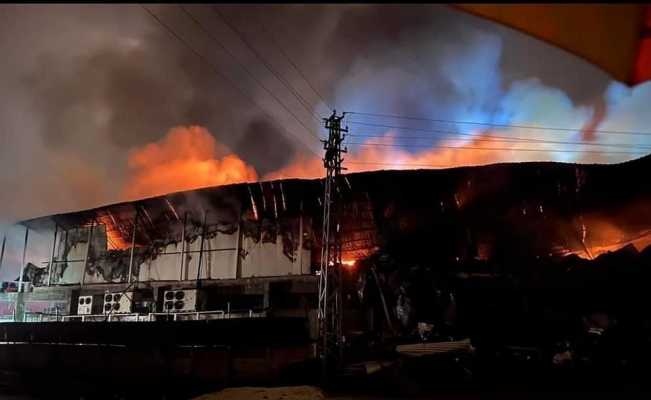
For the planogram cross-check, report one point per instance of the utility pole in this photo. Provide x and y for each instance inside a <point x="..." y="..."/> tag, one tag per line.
<point x="331" y="340"/>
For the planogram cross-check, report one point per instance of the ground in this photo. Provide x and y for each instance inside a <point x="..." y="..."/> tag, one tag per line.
<point x="259" y="393"/>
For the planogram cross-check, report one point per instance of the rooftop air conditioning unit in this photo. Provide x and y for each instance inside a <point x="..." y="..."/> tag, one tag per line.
<point x="85" y="305"/>
<point x="182" y="300"/>
<point x="118" y="303"/>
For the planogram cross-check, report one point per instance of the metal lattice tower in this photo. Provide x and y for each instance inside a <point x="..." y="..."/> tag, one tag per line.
<point x="330" y="314"/>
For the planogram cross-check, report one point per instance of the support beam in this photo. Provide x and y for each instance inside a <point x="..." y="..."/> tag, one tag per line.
<point x="90" y="242"/>
<point x="22" y="265"/>
<point x="203" y="234"/>
<point x="239" y="250"/>
<point x="54" y="245"/>
<point x="2" y="252"/>
<point x="185" y="222"/>
<point x="133" y="246"/>
<point x="300" y="240"/>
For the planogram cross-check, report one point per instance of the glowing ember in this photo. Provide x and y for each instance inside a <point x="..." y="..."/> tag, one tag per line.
<point x="114" y="239"/>
<point x="640" y="243"/>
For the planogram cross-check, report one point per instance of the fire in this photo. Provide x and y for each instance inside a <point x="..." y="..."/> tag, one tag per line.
<point x="381" y="153"/>
<point x="114" y="239"/>
<point x="604" y="236"/>
<point x="190" y="158"/>
<point x="186" y="158"/>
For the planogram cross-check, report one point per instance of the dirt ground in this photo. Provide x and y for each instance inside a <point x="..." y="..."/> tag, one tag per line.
<point x="310" y="392"/>
<point x="259" y="393"/>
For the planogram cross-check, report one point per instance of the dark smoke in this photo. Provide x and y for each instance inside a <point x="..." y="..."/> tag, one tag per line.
<point x="263" y="145"/>
<point x="83" y="85"/>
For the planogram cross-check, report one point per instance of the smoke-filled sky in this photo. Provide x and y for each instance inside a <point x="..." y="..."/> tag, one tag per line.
<point x="100" y="103"/>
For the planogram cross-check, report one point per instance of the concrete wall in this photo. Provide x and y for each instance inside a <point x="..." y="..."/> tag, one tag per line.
<point x="224" y="256"/>
<point x="219" y="260"/>
<point x="268" y="259"/>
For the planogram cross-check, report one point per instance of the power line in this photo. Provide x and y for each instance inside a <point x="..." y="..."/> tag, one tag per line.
<point x="477" y="137"/>
<point x="495" y="148"/>
<point x="546" y="128"/>
<point x="308" y="107"/>
<point x="269" y="92"/>
<point x="205" y="60"/>
<point x="246" y="69"/>
<point x="272" y="37"/>
<point x="515" y="140"/>
<point x="400" y="164"/>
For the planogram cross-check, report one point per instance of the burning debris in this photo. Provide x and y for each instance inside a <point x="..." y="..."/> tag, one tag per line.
<point x="390" y="211"/>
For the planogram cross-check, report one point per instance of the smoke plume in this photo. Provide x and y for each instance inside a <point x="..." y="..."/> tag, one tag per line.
<point x="102" y="104"/>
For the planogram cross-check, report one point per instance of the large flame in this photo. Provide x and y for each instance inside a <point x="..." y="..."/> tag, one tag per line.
<point x="383" y="153"/>
<point x="190" y="157"/>
<point x="186" y="158"/>
<point x="604" y="236"/>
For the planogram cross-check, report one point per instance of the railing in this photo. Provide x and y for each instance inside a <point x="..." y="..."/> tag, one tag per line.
<point x="174" y="316"/>
<point x="103" y="317"/>
<point x="215" y="314"/>
<point x="219" y="314"/>
<point x="7" y="318"/>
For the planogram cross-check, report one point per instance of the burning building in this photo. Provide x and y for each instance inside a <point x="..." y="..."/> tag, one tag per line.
<point x="253" y="249"/>
<point x="270" y="230"/>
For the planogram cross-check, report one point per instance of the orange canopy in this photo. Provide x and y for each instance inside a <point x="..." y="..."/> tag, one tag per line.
<point x="614" y="37"/>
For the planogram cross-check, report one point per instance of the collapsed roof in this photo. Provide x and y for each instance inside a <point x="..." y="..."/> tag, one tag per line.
<point x="500" y="210"/>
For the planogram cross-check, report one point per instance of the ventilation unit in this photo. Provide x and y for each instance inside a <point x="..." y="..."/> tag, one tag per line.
<point x="85" y="305"/>
<point x="118" y="303"/>
<point x="180" y="300"/>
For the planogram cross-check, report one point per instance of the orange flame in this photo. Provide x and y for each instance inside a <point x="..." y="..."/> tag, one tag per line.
<point x="605" y="236"/>
<point x="187" y="158"/>
<point x="381" y="154"/>
<point x="190" y="157"/>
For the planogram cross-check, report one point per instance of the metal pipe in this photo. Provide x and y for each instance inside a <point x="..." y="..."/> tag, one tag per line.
<point x="203" y="235"/>
<point x="185" y="221"/>
<point x="54" y="245"/>
<point x="238" y="251"/>
<point x="65" y="247"/>
<point x="209" y="259"/>
<point x="384" y="303"/>
<point x="171" y="253"/>
<point x="90" y="239"/>
<point x="133" y="245"/>
<point x="300" y="240"/>
<point x="2" y="252"/>
<point x="22" y="266"/>
<point x="63" y="261"/>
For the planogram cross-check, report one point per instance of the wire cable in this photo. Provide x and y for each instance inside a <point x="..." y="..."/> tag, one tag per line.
<point x="272" y="37"/>
<point x="246" y="69"/>
<point x="546" y="128"/>
<point x="503" y="139"/>
<point x="396" y="163"/>
<point x="474" y="135"/>
<point x="308" y="107"/>
<point x="205" y="60"/>
<point x="494" y="148"/>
